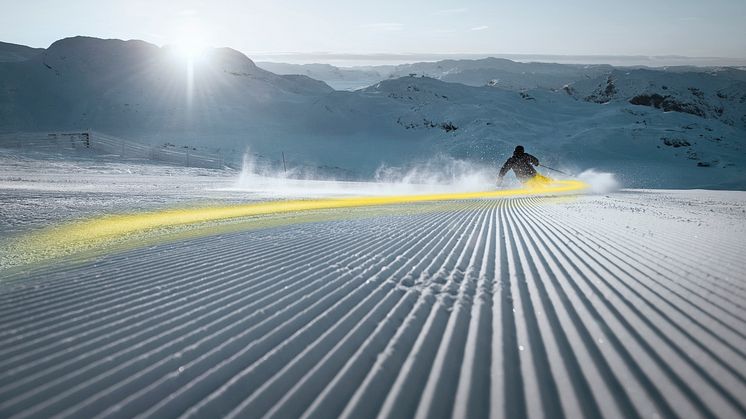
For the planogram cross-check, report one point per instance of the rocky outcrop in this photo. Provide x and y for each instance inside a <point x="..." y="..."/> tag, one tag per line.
<point x="605" y="93"/>
<point x="668" y="104"/>
<point x="446" y="126"/>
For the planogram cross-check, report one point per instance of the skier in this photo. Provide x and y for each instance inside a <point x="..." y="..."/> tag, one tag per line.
<point x="522" y="165"/>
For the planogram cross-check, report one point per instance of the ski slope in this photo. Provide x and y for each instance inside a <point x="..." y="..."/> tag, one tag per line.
<point x="629" y="304"/>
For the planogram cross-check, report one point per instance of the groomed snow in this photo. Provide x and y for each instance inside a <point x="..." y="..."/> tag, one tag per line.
<point x="624" y="304"/>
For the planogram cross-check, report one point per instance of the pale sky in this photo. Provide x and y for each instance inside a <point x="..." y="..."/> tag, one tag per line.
<point x="694" y="28"/>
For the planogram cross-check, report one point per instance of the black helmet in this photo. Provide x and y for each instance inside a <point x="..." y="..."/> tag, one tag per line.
<point x="518" y="150"/>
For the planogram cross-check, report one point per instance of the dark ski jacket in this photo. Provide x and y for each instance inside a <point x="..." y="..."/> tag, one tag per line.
<point x="521" y="165"/>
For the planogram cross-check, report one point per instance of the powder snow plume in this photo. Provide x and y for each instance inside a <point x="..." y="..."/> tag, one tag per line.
<point x="437" y="175"/>
<point x="599" y="182"/>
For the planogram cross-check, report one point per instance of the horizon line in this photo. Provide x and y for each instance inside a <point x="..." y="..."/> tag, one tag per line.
<point x="413" y="57"/>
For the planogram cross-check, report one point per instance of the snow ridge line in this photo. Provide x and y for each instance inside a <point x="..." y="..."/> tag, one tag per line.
<point x="251" y="405"/>
<point x="651" y="268"/>
<point x="91" y="279"/>
<point x="675" y="345"/>
<point x="567" y="316"/>
<point x="489" y="308"/>
<point x="136" y="382"/>
<point x="290" y="280"/>
<point x="711" y="273"/>
<point x="172" y="316"/>
<point x="85" y="300"/>
<point x="236" y="386"/>
<point x="108" y="304"/>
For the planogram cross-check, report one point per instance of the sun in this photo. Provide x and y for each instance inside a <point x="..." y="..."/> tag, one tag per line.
<point x="191" y="47"/>
<point x="190" y="40"/>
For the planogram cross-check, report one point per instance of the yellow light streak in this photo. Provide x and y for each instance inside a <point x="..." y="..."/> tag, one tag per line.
<point x="83" y="235"/>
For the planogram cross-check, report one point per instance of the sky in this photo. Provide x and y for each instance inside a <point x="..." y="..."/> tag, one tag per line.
<point x="693" y="28"/>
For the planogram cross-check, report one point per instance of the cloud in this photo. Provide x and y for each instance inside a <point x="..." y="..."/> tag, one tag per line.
<point x="444" y="12"/>
<point x="480" y="28"/>
<point x="442" y="31"/>
<point x="384" y="26"/>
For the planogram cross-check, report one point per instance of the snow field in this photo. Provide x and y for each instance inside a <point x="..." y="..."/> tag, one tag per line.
<point x="566" y="307"/>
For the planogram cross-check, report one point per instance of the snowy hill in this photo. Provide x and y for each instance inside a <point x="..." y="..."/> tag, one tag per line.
<point x="639" y="143"/>
<point x="502" y="72"/>
<point x="135" y="88"/>
<point x="13" y="52"/>
<point x="693" y="137"/>
<point x="717" y="95"/>
<point x="339" y="78"/>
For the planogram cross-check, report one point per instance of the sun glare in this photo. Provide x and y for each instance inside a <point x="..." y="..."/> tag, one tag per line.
<point x="192" y="47"/>
<point x="189" y="40"/>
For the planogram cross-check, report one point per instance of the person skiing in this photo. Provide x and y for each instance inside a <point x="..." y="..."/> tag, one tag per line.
<point x="522" y="165"/>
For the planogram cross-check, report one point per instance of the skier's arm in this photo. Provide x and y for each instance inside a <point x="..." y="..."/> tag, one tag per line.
<point x="533" y="159"/>
<point x="507" y="166"/>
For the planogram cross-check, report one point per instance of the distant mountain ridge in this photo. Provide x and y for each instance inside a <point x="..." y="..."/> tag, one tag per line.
<point x="491" y="71"/>
<point x="494" y="71"/>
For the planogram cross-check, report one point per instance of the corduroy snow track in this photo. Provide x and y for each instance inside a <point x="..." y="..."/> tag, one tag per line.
<point x="519" y="307"/>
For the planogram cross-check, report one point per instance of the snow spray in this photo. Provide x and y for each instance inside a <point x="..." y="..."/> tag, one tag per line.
<point x="599" y="182"/>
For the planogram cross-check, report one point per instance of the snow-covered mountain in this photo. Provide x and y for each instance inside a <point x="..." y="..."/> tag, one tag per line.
<point x="717" y="94"/>
<point x="340" y="78"/>
<point x="13" y="52"/>
<point x="694" y="137"/>
<point x="480" y="72"/>
<point x="137" y="89"/>
<point x="502" y="72"/>
<point x="644" y="145"/>
<point x="510" y="72"/>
